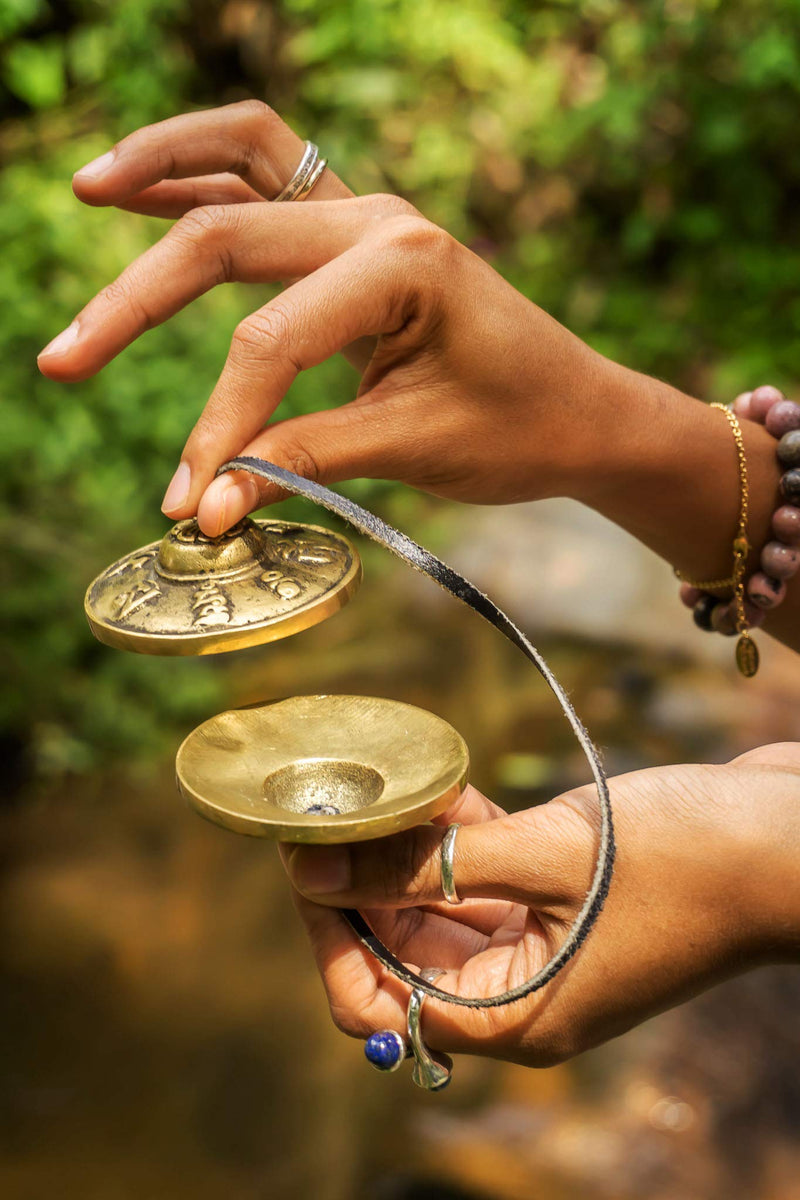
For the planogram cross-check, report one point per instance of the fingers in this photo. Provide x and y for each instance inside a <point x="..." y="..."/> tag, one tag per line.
<point x="471" y="808"/>
<point x="364" y="997"/>
<point x="361" y="293"/>
<point x="353" y="442"/>
<point x="540" y="858"/>
<point x="778" y="754"/>
<point x="246" y="139"/>
<point x="480" y="916"/>
<point x="424" y="937"/>
<point x="249" y="243"/>
<point x="174" y="198"/>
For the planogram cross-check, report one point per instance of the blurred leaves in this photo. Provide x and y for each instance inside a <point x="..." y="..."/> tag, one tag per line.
<point x="632" y="168"/>
<point x="34" y="71"/>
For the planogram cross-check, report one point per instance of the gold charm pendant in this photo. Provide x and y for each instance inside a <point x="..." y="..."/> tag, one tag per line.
<point x="747" y="656"/>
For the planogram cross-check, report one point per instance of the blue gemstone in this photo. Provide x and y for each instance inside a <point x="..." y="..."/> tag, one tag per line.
<point x="384" y="1049"/>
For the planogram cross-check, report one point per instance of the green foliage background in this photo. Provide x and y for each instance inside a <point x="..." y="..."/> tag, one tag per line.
<point x="632" y="167"/>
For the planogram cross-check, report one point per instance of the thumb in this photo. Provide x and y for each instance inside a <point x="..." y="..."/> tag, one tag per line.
<point x="540" y="857"/>
<point x="352" y="442"/>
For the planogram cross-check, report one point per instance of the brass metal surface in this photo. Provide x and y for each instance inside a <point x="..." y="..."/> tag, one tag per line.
<point x="191" y="594"/>
<point x="323" y="768"/>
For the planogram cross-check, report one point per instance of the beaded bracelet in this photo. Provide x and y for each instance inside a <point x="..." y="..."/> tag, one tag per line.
<point x="780" y="557"/>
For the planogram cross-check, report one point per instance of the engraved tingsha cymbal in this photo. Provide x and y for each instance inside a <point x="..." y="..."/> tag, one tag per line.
<point x="191" y="594"/>
<point x="323" y="768"/>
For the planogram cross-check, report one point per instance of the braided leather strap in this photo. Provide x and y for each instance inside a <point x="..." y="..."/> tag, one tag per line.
<point x="428" y="564"/>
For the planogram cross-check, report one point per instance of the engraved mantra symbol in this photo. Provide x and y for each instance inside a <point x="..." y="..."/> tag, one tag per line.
<point x="281" y="585"/>
<point x="131" y="564"/>
<point x="127" y="602"/>
<point x="210" y="605"/>
<point x="310" y="553"/>
<point x="190" y="534"/>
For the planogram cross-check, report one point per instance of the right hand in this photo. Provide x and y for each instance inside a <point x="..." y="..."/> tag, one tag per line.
<point x="472" y="392"/>
<point x="705" y="886"/>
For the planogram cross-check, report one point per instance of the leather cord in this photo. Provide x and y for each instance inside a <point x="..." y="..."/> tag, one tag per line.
<point x="456" y="585"/>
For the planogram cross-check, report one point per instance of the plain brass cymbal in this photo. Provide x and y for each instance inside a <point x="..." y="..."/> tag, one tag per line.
<point x="323" y="768"/>
<point x="191" y="594"/>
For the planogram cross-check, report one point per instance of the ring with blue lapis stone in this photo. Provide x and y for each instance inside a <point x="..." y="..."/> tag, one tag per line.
<point x="385" y="1050"/>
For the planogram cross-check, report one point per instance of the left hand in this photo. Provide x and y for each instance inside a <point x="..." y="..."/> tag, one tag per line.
<point x="705" y="886"/>
<point x="468" y="391"/>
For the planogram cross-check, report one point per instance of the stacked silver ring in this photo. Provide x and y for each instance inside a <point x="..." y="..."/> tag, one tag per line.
<point x="307" y="175"/>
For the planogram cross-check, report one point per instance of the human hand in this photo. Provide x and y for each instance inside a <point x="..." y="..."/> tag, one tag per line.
<point x="705" y="887"/>
<point x="468" y="391"/>
<point x="472" y="391"/>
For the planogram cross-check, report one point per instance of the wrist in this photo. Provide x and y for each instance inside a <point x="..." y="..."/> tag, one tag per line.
<point x="768" y="783"/>
<point x="666" y="470"/>
<point x="634" y="414"/>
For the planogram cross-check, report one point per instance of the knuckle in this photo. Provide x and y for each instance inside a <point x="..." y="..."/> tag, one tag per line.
<point x="298" y="460"/>
<point x="405" y="870"/>
<point x="118" y="291"/>
<point x="347" y="1021"/>
<point x="209" y="226"/>
<point x="264" y="334"/>
<point x="254" y="110"/>
<point x="385" y="205"/>
<point x="200" y="224"/>
<point x="253" y="119"/>
<point x="414" y="235"/>
<point x="203" y="445"/>
<point x="121" y="293"/>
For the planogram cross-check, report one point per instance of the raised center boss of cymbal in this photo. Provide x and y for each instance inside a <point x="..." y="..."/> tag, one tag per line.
<point x="185" y="552"/>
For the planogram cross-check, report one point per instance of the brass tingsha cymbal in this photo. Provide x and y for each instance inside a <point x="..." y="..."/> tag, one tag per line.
<point x="323" y="768"/>
<point x="191" y="594"/>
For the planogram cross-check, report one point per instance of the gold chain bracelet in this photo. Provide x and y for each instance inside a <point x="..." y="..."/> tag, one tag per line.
<point x="746" y="649"/>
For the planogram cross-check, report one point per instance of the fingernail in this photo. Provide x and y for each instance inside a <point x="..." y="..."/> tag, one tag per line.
<point x="62" y="343"/>
<point x="177" y="493"/>
<point x="97" y="167"/>
<point x="214" y="502"/>
<point x="237" y="501"/>
<point x="320" y="870"/>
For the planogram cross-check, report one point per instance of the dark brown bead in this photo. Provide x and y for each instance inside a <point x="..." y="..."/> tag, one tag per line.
<point x="723" y="618"/>
<point x="703" y="610"/>
<point x="789" y="449"/>
<point x="790" y="486"/>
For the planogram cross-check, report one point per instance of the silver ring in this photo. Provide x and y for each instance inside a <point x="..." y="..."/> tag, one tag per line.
<point x="308" y="173"/>
<point x="448" y="850"/>
<point x="429" y="1073"/>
